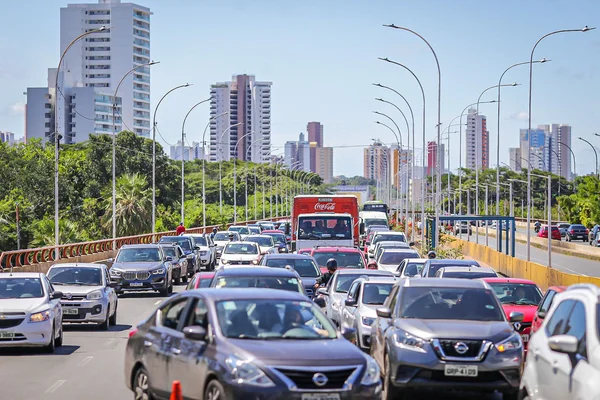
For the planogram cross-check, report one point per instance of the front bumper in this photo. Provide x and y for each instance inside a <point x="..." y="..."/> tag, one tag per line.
<point x="87" y="310"/>
<point x="358" y="392"/>
<point x="205" y="260"/>
<point x="364" y="337"/>
<point x="155" y="282"/>
<point x="26" y="334"/>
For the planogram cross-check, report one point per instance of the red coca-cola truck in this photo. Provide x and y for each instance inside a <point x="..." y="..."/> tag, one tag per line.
<point x="325" y="220"/>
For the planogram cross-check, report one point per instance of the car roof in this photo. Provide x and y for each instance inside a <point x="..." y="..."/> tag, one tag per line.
<point x="399" y="250"/>
<point x="21" y="275"/>
<point x="339" y="249"/>
<point x="79" y="265"/>
<point x="379" y="279"/>
<point x="205" y="275"/>
<point x="416" y="260"/>
<point x="244" y="242"/>
<point x="558" y="289"/>
<point x="451" y="262"/>
<point x="302" y="256"/>
<point x="390" y="233"/>
<point x="141" y="246"/>
<point x="467" y="269"/>
<point x="361" y="271"/>
<point x="221" y="294"/>
<point x="273" y="231"/>
<point x="509" y="280"/>
<point x="257" y="236"/>
<point x="445" y="283"/>
<point x="257" y="271"/>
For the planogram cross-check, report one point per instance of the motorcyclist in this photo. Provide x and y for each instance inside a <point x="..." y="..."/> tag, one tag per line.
<point x="431" y="254"/>
<point x="323" y="280"/>
<point x="231" y="237"/>
<point x="537" y="225"/>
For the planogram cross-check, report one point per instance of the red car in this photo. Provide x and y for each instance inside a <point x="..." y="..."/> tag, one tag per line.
<point x="543" y="233"/>
<point x="520" y="295"/>
<point x="544" y="306"/>
<point x="346" y="257"/>
<point x="200" y="280"/>
<point x="305" y="250"/>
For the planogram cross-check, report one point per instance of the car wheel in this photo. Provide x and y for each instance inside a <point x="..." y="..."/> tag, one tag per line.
<point x="141" y="385"/>
<point x="113" y="318"/>
<point x="59" y="340"/>
<point x="390" y="391"/>
<point x="184" y="279"/>
<point x="51" y="346"/>
<point x="510" y="396"/>
<point x="106" y="324"/>
<point x="214" y="391"/>
<point x="164" y="291"/>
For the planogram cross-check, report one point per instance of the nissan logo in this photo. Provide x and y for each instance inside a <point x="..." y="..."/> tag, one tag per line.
<point x="69" y="296"/>
<point x="320" y="379"/>
<point x="517" y="326"/>
<point x="461" y="348"/>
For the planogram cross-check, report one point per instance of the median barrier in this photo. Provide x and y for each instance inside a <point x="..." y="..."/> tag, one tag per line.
<point x="513" y="267"/>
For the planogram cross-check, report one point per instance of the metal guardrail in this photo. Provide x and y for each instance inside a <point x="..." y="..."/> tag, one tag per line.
<point x="29" y="257"/>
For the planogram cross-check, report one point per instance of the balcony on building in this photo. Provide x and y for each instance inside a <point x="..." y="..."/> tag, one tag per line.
<point x="141" y="15"/>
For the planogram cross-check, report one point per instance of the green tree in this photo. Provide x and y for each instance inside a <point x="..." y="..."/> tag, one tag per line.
<point x="134" y="205"/>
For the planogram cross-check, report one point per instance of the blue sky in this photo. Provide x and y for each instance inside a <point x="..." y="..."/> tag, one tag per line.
<point x="322" y="58"/>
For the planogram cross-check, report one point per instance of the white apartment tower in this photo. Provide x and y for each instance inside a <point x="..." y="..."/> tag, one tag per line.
<point x="478" y="145"/>
<point x="91" y="70"/>
<point x="242" y="100"/>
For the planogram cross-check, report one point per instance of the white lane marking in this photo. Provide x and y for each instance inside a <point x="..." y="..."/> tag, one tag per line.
<point x="108" y="342"/>
<point x="85" y="361"/>
<point x="54" y="387"/>
<point x="158" y="302"/>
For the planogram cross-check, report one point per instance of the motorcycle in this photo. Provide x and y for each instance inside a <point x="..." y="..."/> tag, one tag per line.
<point x="537" y="227"/>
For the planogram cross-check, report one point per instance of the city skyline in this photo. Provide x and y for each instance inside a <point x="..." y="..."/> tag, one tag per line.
<point x="574" y="63"/>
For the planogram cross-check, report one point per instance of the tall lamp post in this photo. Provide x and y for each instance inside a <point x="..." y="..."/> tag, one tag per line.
<point x="235" y="176"/>
<point x="154" y="156"/>
<point x="595" y="151"/>
<point x="221" y="161"/>
<point x="399" y="144"/>
<point x="114" y="149"/>
<point x="573" y="154"/>
<point x="56" y="137"/>
<point x="585" y="29"/>
<point x="247" y="156"/>
<point x="182" y="158"/>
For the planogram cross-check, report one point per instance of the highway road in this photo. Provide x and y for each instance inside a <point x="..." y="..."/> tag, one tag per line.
<point x="562" y="262"/>
<point x="90" y="363"/>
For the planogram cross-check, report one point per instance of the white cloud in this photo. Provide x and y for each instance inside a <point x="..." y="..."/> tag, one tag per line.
<point x="17" y="109"/>
<point x="520" y="116"/>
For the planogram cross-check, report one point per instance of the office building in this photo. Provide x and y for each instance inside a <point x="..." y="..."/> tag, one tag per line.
<point x="242" y="100"/>
<point x="191" y="152"/>
<point x="432" y="155"/>
<point x="514" y="154"/>
<point x="477" y="141"/>
<point x="549" y="146"/>
<point x="7" y="137"/>
<point x="563" y="156"/>
<point x="315" y="133"/>
<point x="297" y="154"/>
<point x="91" y="71"/>
<point x="377" y="162"/>
<point x="324" y="163"/>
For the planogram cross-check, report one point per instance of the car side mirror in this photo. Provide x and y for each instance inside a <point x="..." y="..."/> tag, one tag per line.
<point x="541" y="314"/>
<point x="319" y="301"/>
<point x="565" y="344"/>
<point x="322" y="291"/>
<point x="350" y="302"/>
<point x="111" y="260"/>
<point x="515" y="316"/>
<point x="384" y="312"/>
<point x="56" y="295"/>
<point x="113" y="285"/>
<point x="196" y="247"/>
<point x="372" y="265"/>
<point x="349" y="334"/>
<point x="411" y="244"/>
<point x="195" y="332"/>
<point x="168" y="258"/>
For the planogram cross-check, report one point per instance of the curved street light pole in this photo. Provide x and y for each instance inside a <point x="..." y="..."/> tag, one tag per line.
<point x="585" y="29"/>
<point x="235" y="175"/>
<point x="595" y="153"/>
<point x="248" y="155"/>
<point x="183" y="161"/>
<point x="223" y="159"/>
<point x="56" y="137"/>
<point x="114" y="149"/>
<point x="398" y="143"/>
<point x="574" y="164"/>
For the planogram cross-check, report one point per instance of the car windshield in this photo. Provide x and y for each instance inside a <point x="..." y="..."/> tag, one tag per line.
<point x="20" y="288"/>
<point x="465" y="304"/>
<point x="433" y="268"/>
<point x="344" y="259"/>
<point x="382" y="237"/>
<point x="273" y="319"/>
<point x="138" y="255"/>
<point x="222" y="236"/>
<point x="325" y="228"/>
<point x="241" y="248"/>
<point x="522" y="294"/>
<point x="75" y="276"/>
<point x="469" y="274"/>
<point x="305" y="267"/>
<point x="278" y="238"/>
<point x="200" y="241"/>
<point x="412" y="269"/>
<point x="343" y="282"/>
<point x="184" y="242"/>
<point x="261" y="241"/>
<point x="375" y="207"/>
<point x="396" y="258"/>
<point x="204" y="283"/>
<point x="242" y="230"/>
<point x="291" y="284"/>
<point x="254" y="229"/>
<point x="170" y="251"/>
<point x="383" y="223"/>
<point x="376" y="293"/>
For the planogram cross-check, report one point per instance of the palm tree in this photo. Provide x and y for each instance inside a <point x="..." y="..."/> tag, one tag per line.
<point x="43" y="233"/>
<point x="134" y="206"/>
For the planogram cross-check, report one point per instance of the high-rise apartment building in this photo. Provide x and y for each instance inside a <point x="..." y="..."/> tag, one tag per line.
<point x="7" y="137"/>
<point x="477" y="143"/>
<point x="377" y="162"/>
<point x="242" y="100"/>
<point x="549" y="149"/>
<point x="191" y="152"/>
<point x="432" y="155"/>
<point x="401" y="172"/>
<point x="297" y="154"/>
<point x="514" y="155"/>
<point x="324" y="163"/>
<point x="90" y="72"/>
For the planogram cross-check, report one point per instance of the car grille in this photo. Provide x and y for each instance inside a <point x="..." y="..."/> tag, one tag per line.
<point x="482" y="377"/>
<point x="72" y="298"/>
<point x="524" y="326"/>
<point x="136" y="275"/>
<point x="448" y="346"/>
<point x="18" y="337"/>
<point x="304" y="379"/>
<point x="10" y="323"/>
<point x="239" y="262"/>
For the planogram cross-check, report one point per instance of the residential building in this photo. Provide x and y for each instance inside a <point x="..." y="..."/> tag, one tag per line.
<point x="91" y="71"/>
<point x="242" y="100"/>
<point x="7" y="137"/>
<point x="377" y="162"/>
<point x="432" y="155"/>
<point x="401" y="171"/>
<point x="315" y="133"/>
<point x="297" y="154"/>
<point x="191" y="152"/>
<point x="477" y="143"/>
<point x="562" y="141"/>
<point x="534" y="144"/>
<point x="549" y="149"/>
<point x="514" y="155"/>
<point x="324" y="163"/>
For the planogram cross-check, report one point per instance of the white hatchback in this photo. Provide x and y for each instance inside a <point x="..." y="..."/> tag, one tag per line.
<point x="30" y="311"/>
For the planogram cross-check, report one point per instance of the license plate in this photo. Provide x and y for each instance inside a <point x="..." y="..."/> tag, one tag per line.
<point x="319" y="396"/>
<point x="70" y="311"/>
<point x="525" y="338"/>
<point x="460" y="370"/>
<point x="136" y="284"/>
<point x="7" y="335"/>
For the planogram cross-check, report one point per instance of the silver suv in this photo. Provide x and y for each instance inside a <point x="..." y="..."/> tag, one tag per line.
<point x="446" y="334"/>
<point x="366" y="294"/>
<point x="564" y="362"/>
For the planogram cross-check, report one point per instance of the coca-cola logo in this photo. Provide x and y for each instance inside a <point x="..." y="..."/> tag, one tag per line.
<point x="325" y="207"/>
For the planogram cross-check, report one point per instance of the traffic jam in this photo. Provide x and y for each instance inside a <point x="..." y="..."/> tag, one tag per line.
<point x="333" y="303"/>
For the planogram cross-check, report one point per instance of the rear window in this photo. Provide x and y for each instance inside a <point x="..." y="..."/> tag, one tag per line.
<point x="577" y="226"/>
<point x="344" y="259"/>
<point x="469" y="275"/>
<point x="434" y="268"/>
<point x="396" y="258"/>
<point x="305" y="267"/>
<point x="389" y="238"/>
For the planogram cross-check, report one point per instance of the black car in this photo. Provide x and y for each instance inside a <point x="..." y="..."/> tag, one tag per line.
<point x="303" y="264"/>
<point x="246" y="344"/>
<point x="577" y="232"/>
<point x="187" y="244"/>
<point x="179" y="261"/>
<point x="432" y="266"/>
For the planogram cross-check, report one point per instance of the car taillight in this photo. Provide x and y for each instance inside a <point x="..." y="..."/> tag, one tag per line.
<point x="572" y="230"/>
<point x="132" y="332"/>
<point x="587" y="231"/>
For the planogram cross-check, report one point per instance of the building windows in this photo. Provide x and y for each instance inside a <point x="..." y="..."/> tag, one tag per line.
<point x="102" y="48"/>
<point x="98" y="21"/>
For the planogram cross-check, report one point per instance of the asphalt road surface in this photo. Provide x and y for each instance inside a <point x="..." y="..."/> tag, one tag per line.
<point x="89" y="365"/>
<point x="562" y="262"/>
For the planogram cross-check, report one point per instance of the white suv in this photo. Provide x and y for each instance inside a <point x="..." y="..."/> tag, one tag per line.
<point x="564" y="354"/>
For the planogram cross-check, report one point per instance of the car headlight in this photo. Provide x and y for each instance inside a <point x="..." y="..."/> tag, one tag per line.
<point x="368" y="321"/>
<point x="407" y="341"/>
<point x="115" y="272"/>
<point x="224" y="260"/>
<point x="513" y="342"/>
<point x="372" y="374"/>
<point x="159" y="271"/>
<point x="203" y="253"/>
<point x="95" y="295"/>
<point x="245" y="372"/>
<point x="40" y="316"/>
<point x="254" y="262"/>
